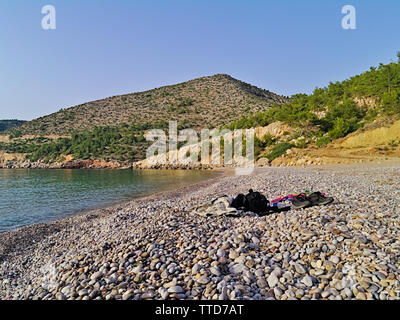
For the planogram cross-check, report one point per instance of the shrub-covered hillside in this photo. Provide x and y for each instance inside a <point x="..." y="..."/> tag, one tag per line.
<point x="122" y="143"/>
<point x="113" y="128"/>
<point x="340" y="108"/>
<point x="204" y="102"/>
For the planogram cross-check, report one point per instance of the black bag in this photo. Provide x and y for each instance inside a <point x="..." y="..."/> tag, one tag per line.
<point x="256" y="202"/>
<point x="239" y="202"/>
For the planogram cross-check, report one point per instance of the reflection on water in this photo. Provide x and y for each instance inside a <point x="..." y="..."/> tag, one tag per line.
<point x="34" y="196"/>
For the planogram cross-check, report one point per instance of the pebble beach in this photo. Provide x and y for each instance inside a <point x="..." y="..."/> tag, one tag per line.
<point x="153" y="248"/>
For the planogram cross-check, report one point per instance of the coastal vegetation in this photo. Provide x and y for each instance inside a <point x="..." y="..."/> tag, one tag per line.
<point x="206" y="102"/>
<point x="336" y="110"/>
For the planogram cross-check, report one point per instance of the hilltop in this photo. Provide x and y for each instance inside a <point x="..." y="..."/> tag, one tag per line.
<point x="204" y="102"/>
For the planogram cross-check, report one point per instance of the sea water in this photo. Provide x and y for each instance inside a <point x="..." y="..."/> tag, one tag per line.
<point x="30" y="196"/>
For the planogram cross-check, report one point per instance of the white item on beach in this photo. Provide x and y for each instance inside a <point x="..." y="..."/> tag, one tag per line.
<point x="218" y="207"/>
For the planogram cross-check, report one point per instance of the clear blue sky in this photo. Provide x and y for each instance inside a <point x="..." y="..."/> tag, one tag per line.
<point x="103" y="48"/>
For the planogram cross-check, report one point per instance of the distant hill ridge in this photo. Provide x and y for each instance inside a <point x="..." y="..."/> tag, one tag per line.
<point x="210" y="101"/>
<point x="8" y="124"/>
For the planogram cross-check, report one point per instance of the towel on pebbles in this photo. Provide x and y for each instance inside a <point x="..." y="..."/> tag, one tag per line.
<point x="218" y="207"/>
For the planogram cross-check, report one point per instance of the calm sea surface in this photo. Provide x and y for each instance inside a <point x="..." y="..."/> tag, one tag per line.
<point x="35" y="196"/>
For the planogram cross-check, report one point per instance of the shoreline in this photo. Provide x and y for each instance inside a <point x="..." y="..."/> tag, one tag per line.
<point x="286" y="161"/>
<point x="151" y="247"/>
<point x="32" y="233"/>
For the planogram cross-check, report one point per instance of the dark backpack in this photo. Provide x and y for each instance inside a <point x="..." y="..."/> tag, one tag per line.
<point x="256" y="202"/>
<point x="239" y="201"/>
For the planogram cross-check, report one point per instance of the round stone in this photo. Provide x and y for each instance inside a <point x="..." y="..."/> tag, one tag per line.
<point x="175" y="289"/>
<point x="272" y="280"/>
<point x="308" y="281"/>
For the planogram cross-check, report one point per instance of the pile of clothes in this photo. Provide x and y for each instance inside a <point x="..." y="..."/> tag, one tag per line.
<point x="257" y="203"/>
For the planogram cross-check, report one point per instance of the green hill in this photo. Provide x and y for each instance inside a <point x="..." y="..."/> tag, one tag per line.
<point x="204" y="102"/>
<point x="334" y="111"/>
<point x="112" y="128"/>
